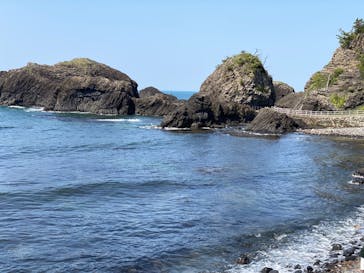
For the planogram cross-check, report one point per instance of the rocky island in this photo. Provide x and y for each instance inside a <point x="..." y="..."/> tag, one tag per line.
<point x="77" y="85"/>
<point x="228" y="96"/>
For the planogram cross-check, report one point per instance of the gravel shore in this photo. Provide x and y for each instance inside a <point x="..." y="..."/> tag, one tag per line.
<point x="353" y="132"/>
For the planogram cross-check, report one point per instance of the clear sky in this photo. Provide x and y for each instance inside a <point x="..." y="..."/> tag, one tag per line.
<point x="175" y="45"/>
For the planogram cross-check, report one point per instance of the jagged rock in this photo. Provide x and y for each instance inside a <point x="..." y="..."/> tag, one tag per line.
<point x="269" y="121"/>
<point x="243" y="259"/>
<point x="266" y="270"/>
<point x="227" y="95"/>
<point x="358" y="177"/>
<point x="349" y="251"/>
<point x="152" y="102"/>
<point x="282" y="89"/>
<point x="77" y="85"/>
<point x="336" y="247"/>
<point x="340" y="84"/>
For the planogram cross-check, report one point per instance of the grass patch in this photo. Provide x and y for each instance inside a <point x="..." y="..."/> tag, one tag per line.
<point x="318" y="81"/>
<point x="250" y="61"/>
<point x="338" y="101"/>
<point x="360" y="107"/>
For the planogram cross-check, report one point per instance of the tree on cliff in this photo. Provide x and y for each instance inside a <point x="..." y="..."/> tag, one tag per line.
<point x="345" y="38"/>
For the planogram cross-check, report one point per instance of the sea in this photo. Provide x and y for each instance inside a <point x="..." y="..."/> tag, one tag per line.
<point x="87" y="193"/>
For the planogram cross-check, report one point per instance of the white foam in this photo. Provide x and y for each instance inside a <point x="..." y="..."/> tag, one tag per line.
<point x="306" y="247"/>
<point x="16" y="107"/>
<point x="34" y="109"/>
<point x="176" y="129"/>
<point x="150" y="127"/>
<point x="119" y="119"/>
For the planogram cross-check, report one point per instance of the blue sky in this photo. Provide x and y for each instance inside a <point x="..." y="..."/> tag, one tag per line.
<point x="175" y="45"/>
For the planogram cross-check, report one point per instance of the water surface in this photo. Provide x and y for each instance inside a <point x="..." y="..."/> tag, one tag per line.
<point x="84" y="193"/>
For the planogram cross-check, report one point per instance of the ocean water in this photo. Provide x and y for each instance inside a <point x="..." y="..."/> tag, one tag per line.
<point x="86" y="193"/>
<point x="183" y="95"/>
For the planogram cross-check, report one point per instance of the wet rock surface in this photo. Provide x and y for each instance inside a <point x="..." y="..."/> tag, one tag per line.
<point x="269" y="121"/>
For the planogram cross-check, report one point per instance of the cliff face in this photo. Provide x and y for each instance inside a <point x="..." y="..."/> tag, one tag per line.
<point x="77" y="85"/>
<point x="340" y="84"/>
<point x="227" y="95"/>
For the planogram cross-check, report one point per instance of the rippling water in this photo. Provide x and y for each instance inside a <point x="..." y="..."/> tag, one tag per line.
<point x="84" y="193"/>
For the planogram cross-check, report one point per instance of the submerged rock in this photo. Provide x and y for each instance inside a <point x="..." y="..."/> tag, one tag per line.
<point x="269" y="121"/>
<point x="336" y="247"/>
<point x="358" y="176"/>
<point x="266" y="270"/>
<point x="243" y="259"/>
<point x="227" y="96"/>
<point x="77" y="85"/>
<point x="152" y="102"/>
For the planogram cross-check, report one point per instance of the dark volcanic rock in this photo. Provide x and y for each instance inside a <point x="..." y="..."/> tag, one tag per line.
<point x="282" y="89"/>
<point x="336" y="247"/>
<point x="293" y="100"/>
<point x="358" y="176"/>
<point x="227" y="96"/>
<point x="243" y="259"/>
<point x="266" y="270"/>
<point x="77" y="85"/>
<point x="152" y="102"/>
<point x="199" y="111"/>
<point x="269" y="121"/>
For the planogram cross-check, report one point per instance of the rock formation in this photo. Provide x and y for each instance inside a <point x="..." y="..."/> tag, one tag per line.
<point x="227" y="96"/>
<point x="152" y="102"/>
<point x="340" y="84"/>
<point x="269" y="121"/>
<point x="281" y="90"/>
<point x="293" y="100"/>
<point x="77" y="85"/>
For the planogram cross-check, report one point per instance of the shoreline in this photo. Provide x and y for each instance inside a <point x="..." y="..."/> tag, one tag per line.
<point x="350" y="132"/>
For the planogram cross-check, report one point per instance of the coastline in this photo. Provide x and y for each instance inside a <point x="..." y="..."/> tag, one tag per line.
<point x="351" y="132"/>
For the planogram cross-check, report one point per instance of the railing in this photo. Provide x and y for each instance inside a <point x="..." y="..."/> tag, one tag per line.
<point x="289" y="111"/>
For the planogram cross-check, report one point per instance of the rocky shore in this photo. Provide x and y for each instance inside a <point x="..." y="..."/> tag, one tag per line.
<point x="342" y="258"/>
<point x="354" y="132"/>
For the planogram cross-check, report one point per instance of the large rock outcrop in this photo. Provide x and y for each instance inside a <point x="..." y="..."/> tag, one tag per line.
<point x="77" y="85"/>
<point x="152" y="102"/>
<point x="227" y="96"/>
<point x="340" y="84"/>
<point x="282" y="89"/>
<point x="269" y="121"/>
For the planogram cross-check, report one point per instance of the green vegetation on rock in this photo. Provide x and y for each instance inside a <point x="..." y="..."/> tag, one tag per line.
<point x="361" y="66"/>
<point x="338" y="101"/>
<point x="320" y="80"/>
<point x="250" y="61"/>
<point x="360" y="107"/>
<point x="345" y="38"/>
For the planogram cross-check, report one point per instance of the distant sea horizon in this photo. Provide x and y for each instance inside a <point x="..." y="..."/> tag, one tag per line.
<point x="180" y="94"/>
